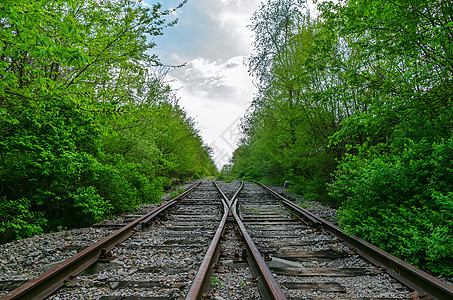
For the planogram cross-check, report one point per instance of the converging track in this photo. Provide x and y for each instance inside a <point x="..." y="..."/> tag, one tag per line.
<point x="307" y="261"/>
<point x="231" y="241"/>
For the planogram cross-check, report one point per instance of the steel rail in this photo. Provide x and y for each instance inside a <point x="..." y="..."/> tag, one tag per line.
<point x="269" y="288"/>
<point x="202" y="281"/>
<point x="224" y="197"/>
<point x="53" y="279"/>
<point x="414" y="278"/>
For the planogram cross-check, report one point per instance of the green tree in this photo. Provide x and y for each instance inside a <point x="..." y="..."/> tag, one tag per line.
<point x="74" y="76"/>
<point x="302" y="98"/>
<point x="395" y="180"/>
<point x="367" y="86"/>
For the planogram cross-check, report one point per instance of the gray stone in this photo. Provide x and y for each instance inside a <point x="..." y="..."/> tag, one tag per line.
<point x="36" y="253"/>
<point x="102" y="277"/>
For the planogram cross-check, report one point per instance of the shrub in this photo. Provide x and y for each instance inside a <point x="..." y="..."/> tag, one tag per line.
<point x="92" y="206"/>
<point x="402" y="201"/>
<point x="18" y="221"/>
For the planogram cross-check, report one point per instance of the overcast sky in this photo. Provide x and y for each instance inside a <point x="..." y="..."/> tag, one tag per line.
<point x="213" y="40"/>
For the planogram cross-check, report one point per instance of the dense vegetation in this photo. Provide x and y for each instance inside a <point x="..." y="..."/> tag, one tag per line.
<point x="355" y="107"/>
<point x="87" y="125"/>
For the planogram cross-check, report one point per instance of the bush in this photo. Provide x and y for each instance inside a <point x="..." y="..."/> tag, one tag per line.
<point x="18" y="221"/>
<point x="402" y="201"/>
<point x="93" y="206"/>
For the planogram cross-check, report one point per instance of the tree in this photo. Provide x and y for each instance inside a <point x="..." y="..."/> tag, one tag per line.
<point x="395" y="180"/>
<point x="301" y="99"/>
<point x="366" y="88"/>
<point x="74" y="76"/>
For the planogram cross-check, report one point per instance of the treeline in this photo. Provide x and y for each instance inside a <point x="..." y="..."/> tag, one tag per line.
<point x="355" y="108"/>
<point x="88" y="126"/>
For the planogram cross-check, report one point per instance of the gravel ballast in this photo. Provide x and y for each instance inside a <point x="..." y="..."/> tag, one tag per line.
<point x="27" y="258"/>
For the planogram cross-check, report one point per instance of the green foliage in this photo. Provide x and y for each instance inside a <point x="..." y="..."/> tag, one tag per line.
<point x="215" y="282"/>
<point x="402" y="202"/>
<point x="395" y="179"/>
<point x="225" y="174"/>
<point x="298" y="105"/>
<point x="93" y="206"/>
<point x="87" y="125"/>
<point x="366" y="89"/>
<point x="18" y="221"/>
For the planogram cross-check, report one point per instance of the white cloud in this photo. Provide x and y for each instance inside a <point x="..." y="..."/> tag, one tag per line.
<point x="221" y="81"/>
<point x="216" y="94"/>
<point x="212" y="39"/>
<point x="232" y="18"/>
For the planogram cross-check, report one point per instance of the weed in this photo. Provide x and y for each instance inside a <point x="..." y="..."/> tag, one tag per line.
<point x="215" y="282"/>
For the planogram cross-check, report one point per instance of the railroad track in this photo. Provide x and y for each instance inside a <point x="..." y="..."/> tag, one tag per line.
<point x="231" y="241"/>
<point x="307" y="261"/>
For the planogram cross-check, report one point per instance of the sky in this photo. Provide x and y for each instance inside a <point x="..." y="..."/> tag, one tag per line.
<point x="212" y="39"/>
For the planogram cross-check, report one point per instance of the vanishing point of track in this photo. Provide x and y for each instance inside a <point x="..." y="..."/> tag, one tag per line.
<point x="289" y="252"/>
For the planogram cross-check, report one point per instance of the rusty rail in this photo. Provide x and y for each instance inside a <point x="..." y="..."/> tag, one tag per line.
<point x="202" y="281"/>
<point x="268" y="286"/>
<point x="224" y="197"/>
<point x="53" y="279"/>
<point x="407" y="274"/>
